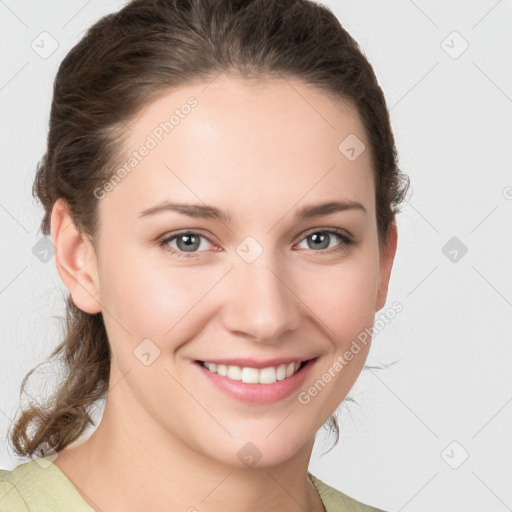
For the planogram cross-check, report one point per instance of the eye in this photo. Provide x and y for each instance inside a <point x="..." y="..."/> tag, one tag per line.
<point x="321" y="239"/>
<point x="187" y="243"/>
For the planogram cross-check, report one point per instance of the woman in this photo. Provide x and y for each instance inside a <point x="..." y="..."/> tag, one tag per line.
<point x="221" y="187"/>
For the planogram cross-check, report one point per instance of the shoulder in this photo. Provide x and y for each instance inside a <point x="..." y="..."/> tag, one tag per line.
<point x="10" y="497"/>
<point x="38" y="486"/>
<point x="336" y="501"/>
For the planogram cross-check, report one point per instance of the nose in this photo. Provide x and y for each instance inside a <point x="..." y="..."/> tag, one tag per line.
<point x="261" y="303"/>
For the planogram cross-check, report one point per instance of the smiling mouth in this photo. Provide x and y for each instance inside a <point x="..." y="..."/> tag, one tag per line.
<point x="249" y="375"/>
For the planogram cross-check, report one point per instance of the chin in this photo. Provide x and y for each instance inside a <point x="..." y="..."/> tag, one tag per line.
<point x="260" y="451"/>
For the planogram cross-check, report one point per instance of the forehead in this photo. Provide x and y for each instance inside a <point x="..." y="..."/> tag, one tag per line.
<point x="252" y="143"/>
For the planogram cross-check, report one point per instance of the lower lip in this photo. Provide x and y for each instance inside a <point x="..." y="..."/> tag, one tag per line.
<point x="258" y="393"/>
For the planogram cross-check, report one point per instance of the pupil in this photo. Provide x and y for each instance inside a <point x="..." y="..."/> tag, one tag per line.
<point x="189" y="242"/>
<point x="322" y="238"/>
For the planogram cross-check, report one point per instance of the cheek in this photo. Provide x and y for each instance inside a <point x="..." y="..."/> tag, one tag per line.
<point x="166" y="302"/>
<point x="155" y="300"/>
<point x="343" y="298"/>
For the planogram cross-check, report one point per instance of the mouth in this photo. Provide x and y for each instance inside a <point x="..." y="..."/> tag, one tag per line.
<point x="256" y="381"/>
<point x="252" y="375"/>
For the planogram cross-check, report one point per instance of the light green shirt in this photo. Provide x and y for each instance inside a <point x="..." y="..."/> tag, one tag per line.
<point x="40" y="486"/>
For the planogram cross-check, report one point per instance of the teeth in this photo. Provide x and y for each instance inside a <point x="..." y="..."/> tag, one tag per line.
<point x="254" y="375"/>
<point x="281" y="372"/>
<point x="267" y="375"/>
<point x="234" y="373"/>
<point x="248" y="375"/>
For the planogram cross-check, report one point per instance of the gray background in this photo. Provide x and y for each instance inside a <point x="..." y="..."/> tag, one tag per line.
<point x="433" y="432"/>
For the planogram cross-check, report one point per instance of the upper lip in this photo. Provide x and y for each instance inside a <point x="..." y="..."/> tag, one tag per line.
<point x="255" y="363"/>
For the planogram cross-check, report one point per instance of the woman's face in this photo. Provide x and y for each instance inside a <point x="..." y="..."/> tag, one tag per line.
<point x="258" y="280"/>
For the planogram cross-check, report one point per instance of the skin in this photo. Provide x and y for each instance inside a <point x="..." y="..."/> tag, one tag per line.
<point x="168" y="440"/>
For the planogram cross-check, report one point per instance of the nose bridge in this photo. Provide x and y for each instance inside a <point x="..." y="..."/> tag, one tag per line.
<point x="262" y="304"/>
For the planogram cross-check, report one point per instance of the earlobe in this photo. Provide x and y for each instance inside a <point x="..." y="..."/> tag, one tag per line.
<point x="75" y="260"/>
<point x="387" y="257"/>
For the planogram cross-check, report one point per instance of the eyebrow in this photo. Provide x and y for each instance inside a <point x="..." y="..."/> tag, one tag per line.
<point x="211" y="212"/>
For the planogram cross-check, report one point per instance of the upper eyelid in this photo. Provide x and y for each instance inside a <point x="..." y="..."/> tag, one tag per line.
<point x="336" y="231"/>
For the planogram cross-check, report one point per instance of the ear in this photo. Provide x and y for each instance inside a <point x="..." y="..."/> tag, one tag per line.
<point x="386" y="259"/>
<point x="75" y="259"/>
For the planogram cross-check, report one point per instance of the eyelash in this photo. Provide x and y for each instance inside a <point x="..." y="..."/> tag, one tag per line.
<point x="343" y="246"/>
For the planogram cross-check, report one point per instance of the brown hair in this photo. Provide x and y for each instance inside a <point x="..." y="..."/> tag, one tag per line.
<point x="126" y="60"/>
